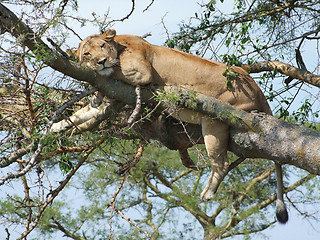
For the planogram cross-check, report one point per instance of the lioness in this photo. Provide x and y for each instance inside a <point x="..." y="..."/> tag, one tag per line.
<point x="141" y="63"/>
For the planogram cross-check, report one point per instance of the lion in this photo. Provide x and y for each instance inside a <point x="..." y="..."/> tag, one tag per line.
<point x="132" y="59"/>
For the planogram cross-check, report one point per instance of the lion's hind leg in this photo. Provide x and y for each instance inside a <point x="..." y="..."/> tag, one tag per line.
<point x="216" y="136"/>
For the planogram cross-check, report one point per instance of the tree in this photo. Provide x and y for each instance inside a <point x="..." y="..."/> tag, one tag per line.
<point x="161" y="186"/>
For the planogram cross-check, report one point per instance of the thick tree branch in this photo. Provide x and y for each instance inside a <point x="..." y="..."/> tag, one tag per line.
<point x="10" y="23"/>
<point x="261" y="135"/>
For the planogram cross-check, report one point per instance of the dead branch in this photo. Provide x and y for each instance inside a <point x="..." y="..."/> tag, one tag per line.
<point x="284" y="68"/>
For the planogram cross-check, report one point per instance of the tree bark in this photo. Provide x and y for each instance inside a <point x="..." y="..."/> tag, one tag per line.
<point x="252" y="135"/>
<point x="284" y="68"/>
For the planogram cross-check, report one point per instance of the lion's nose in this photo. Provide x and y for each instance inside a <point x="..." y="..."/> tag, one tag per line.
<point x="102" y="62"/>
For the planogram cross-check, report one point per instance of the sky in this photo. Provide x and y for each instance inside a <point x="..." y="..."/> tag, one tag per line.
<point x="140" y="23"/>
<point x="172" y="13"/>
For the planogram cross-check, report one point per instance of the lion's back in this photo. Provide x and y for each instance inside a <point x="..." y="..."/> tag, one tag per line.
<point x="173" y="67"/>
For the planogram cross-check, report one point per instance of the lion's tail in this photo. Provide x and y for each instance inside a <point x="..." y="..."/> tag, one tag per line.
<point x="281" y="210"/>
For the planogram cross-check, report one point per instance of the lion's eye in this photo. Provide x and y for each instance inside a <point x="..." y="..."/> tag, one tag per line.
<point x="86" y="54"/>
<point x="103" y="45"/>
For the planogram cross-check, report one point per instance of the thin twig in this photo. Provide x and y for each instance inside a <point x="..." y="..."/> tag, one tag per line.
<point x="8" y="234"/>
<point x="146" y="9"/>
<point x="65" y="231"/>
<point x="236" y="163"/>
<point x="125" y="170"/>
<point x="128" y="15"/>
<point x="111" y="204"/>
<point x="164" y="26"/>
<point x="130" y="222"/>
<point x="113" y="199"/>
<point x="27" y="199"/>
<point x="148" y="34"/>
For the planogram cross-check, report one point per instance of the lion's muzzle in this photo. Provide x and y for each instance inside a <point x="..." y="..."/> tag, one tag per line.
<point x="105" y="66"/>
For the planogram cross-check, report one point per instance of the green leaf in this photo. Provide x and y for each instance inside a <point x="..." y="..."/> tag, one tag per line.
<point x="65" y="164"/>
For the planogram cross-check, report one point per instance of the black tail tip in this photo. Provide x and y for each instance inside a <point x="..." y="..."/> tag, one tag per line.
<point x="281" y="212"/>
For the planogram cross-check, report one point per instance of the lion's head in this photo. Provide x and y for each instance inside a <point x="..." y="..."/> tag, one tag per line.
<point x="99" y="52"/>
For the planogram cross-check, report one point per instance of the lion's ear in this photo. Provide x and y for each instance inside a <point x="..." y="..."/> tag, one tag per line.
<point x="72" y="53"/>
<point x="109" y="35"/>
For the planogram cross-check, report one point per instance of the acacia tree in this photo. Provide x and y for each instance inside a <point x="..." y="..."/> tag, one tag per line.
<point x="100" y="163"/>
